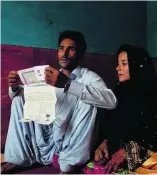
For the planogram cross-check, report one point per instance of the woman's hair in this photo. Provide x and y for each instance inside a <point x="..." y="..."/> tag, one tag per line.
<point x="141" y="68"/>
<point x="78" y="37"/>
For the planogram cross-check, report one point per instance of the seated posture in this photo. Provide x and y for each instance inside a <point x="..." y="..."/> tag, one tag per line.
<point x="79" y="93"/>
<point x="131" y="136"/>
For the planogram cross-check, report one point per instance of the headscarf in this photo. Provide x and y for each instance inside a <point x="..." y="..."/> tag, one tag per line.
<point x="137" y="99"/>
<point x="142" y="71"/>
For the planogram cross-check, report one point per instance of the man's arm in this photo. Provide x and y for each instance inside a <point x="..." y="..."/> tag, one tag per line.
<point x="13" y="92"/>
<point x="95" y="93"/>
<point x="13" y="83"/>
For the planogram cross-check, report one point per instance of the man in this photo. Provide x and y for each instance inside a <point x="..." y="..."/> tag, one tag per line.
<point x="79" y="92"/>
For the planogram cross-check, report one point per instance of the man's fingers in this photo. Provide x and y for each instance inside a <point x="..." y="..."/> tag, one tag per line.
<point x="48" y="82"/>
<point x="47" y="78"/>
<point x="13" y="72"/>
<point x="13" y="76"/>
<point x="13" y="81"/>
<point x="51" y="69"/>
<point x="13" y="84"/>
<point x="48" y="73"/>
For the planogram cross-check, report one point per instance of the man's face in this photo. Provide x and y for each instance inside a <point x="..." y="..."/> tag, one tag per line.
<point x="67" y="54"/>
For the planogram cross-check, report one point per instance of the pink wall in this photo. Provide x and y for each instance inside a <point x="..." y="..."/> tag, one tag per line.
<point x="17" y="57"/>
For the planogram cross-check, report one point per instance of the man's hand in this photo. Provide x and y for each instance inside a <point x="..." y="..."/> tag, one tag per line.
<point x="55" y="77"/>
<point x="13" y="80"/>
<point x="117" y="159"/>
<point x="101" y="153"/>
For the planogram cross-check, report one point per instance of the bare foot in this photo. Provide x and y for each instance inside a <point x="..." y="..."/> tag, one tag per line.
<point x="7" y="167"/>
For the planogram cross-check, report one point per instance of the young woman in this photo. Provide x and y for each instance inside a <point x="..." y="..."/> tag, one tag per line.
<point x="131" y="137"/>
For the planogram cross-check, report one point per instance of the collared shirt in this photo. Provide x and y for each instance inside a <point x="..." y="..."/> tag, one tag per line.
<point x="89" y="87"/>
<point x="71" y="132"/>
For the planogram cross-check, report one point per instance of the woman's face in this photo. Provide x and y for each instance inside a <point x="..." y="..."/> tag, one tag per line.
<point x="123" y="67"/>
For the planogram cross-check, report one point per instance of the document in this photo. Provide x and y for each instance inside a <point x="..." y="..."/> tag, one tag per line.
<point x="39" y="104"/>
<point x="32" y="75"/>
<point x="40" y="98"/>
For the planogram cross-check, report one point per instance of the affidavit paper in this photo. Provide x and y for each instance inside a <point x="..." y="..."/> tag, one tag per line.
<point x="40" y="98"/>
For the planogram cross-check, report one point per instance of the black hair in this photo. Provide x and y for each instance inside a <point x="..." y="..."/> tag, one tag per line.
<point x="78" y="37"/>
<point x="141" y="67"/>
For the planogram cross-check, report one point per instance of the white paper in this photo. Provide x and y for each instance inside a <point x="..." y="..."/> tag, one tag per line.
<point x="39" y="104"/>
<point x="32" y="75"/>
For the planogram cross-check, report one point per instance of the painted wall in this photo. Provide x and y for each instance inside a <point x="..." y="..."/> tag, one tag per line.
<point x="105" y="25"/>
<point x="152" y="28"/>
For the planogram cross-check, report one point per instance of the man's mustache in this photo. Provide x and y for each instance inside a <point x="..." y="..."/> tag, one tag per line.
<point x="65" y="58"/>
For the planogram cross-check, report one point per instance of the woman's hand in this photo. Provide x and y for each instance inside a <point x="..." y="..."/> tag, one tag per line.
<point x="117" y="159"/>
<point x="101" y="153"/>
